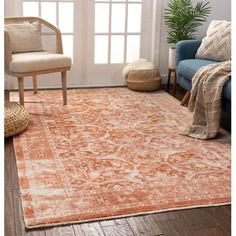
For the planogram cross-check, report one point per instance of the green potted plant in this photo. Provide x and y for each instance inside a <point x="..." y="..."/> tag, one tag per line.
<point x="183" y="19"/>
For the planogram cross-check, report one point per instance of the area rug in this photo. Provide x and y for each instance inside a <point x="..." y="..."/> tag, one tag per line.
<point x="112" y="152"/>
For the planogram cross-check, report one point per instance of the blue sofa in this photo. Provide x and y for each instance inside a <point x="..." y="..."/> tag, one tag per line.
<point x="187" y="65"/>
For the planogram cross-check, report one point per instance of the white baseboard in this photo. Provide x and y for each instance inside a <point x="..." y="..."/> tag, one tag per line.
<point x="11" y="84"/>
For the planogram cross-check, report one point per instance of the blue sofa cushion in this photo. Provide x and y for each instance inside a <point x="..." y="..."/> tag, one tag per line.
<point x="187" y="68"/>
<point x="227" y="90"/>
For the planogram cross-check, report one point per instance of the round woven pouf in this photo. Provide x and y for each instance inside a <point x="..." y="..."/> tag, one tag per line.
<point x="16" y="118"/>
<point x="141" y="75"/>
<point x="148" y="80"/>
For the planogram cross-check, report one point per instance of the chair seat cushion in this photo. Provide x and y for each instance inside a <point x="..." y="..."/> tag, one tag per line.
<point x="187" y="68"/>
<point x="37" y="61"/>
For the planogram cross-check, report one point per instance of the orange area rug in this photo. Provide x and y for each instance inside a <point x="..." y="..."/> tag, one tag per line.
<point x="113" y="153"/>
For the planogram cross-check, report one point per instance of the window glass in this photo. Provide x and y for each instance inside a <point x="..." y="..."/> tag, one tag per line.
<point x="66" y="17"/>
<point x="30" y="8"/>
<point x="133" y="48"/>
<point x="118" y="18"/>
<point x="101" y="18"/>
<point x="48" y="12"/>
<point x="134" y="18"/>
<point x="117" y="49"/>
<point x="101" y="49"/>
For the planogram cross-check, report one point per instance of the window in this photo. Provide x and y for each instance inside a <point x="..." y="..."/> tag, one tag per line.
<point x="117" y="31"/>
<point x="60" y="13"/>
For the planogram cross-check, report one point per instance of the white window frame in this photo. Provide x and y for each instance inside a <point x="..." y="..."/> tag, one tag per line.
<point x="125" y="33"/>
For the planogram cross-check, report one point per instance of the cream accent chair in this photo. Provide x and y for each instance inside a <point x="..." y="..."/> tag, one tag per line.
<point x="26" y="54"/>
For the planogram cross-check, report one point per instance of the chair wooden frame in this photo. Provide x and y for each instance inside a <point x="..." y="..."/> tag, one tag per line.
<point x="20" y="76"/>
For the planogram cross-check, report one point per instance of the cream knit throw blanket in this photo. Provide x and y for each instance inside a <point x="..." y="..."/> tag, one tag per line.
<point x="205" y="99"/>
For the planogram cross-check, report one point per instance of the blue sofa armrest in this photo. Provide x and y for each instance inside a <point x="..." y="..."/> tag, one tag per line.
<point x="186" y="49"/>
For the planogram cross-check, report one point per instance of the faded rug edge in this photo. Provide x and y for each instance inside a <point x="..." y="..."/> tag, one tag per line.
<point x="126" y="215"/>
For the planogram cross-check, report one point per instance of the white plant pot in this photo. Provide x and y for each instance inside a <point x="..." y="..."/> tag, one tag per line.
<point x="172" y="60"/>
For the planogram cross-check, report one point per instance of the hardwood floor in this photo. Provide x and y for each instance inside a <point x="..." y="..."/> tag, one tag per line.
<point x="209" y="221"/>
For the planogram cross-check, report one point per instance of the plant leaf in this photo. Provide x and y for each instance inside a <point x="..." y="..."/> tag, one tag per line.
<point x="183" y="19"/>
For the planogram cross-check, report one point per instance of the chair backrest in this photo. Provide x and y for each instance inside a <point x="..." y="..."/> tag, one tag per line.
<point x="50" y="35"/>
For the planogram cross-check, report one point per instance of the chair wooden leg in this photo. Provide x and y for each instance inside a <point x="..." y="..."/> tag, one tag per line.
<point x="21" y="89"/>
<point x="185" y="99"/>
<point x="34" y="80"/>
<point x="63" y="81"/>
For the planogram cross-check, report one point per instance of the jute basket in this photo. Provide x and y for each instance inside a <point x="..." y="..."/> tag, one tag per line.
<point x="16" y="118"/>
<point x="144" y="80"/>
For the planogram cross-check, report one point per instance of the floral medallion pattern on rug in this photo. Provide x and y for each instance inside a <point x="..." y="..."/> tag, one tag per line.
<point x="113" y="152"/>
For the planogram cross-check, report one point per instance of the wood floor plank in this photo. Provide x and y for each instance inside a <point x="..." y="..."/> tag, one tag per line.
<point x="164" y="216"/>
<point x="121" y="221"/>
<point x="8" y="200"/>
<point x="204" y="219"/>
<point x="88" y="229"/>
<point x="179" y="225"/>
<point x="168" y="228"/>
<point x="144" y="225"/>
<point x="118" y="230"/>
<point x="60" y="231"/>
<point x="19" y="223"/>
<point x="227" y="211"/>
<point x="222" y="216"/>
<point x="38" y="232"/>
<point x="9" y="214"/>
<point x="193" y="220"/>
<point x="190" y="220"/>
<point x="217" y="231"/>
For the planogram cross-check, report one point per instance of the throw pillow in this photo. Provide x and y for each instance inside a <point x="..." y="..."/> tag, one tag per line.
<point x="216" y="45"/>
<point x="24" y="37"/>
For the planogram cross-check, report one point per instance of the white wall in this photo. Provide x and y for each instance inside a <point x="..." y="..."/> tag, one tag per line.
<point x="220" y="10"/>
